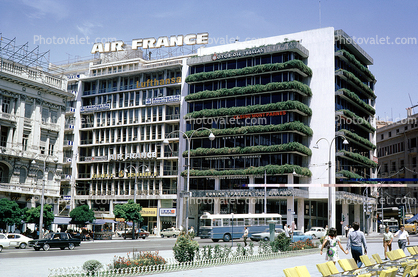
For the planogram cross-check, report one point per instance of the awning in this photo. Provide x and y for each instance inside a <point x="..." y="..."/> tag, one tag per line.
<point x="62" y="220"/>
<point x="412" y="219"/>
<point x="102" y="221"/>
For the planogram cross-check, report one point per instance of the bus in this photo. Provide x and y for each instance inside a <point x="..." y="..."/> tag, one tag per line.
<point x="219" y="226"/>
<point x="392" y="223"/>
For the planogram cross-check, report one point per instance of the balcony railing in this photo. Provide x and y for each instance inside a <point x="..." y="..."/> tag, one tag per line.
<point x="172" y="116"/>
<point x="171" y="154"/>
<point x="84" y="175"/>
<point x="7" y="116"/>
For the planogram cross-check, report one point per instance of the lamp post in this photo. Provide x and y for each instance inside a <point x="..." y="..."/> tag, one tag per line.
<point x="166" y="142"/>
<point x="135" y="188"/>
<point x="331" y="190"/>
<point x="41" y="216"/>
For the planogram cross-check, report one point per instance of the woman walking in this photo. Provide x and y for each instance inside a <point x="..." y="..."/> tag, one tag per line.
<point x="387" y="241"/>
<point x="331" y="243"/>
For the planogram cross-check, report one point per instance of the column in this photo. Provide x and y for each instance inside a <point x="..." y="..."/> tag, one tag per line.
<point x="158" y="218"/>
<point x="301" y="215"/>
<point x="357" y="212"/>
<point x="345" y="212"/>
<point x="290" y="208"/>
<point x="216" y="206"/>
<point x="251" y="204"/>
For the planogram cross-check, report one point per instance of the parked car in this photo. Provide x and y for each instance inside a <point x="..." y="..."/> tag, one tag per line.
<point x="316" y="232"/>
<point x="141" y="233"/>
<point x="170" y="232"/>
<point x="300" y="236"/>
<point x="265" y="235"/>
<point x="4" y="242"/>
<point x="18" y="240"/>
<point x="55" y="240"/>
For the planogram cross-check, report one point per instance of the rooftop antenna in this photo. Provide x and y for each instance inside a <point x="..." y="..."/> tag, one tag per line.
<point x="412" y="104"/>
<point x="320" y="14"/>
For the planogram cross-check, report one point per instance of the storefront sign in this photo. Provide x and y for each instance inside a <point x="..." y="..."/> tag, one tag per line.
<point x="67" y="197"/>
<point x="161" y="82"/>
<point x="237" y="54"/>
<point x="162" y="100"/>
<point x="168" y="212"/>
<point x="96" y="159"/>
<point x="150" y="43"/>
<point x="93" y="108"/>
<point x="148" y="212"/>
<point x="143" y="155"/>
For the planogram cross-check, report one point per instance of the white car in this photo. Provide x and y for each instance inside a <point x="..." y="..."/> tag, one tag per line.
<point x="316" y="232"/>
<point x="265" y="235"/>
<point x="4" y="242"/>
<point x="18" y="240"/>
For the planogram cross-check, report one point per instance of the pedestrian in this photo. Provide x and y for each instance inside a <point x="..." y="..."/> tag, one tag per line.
<point x="331" y="243"/>
<point x="355" y="241"/>
<point x="346" y="230"/>
<point x="387" y="241"/>
<point x="155" y="230"/>
<point x="245" y="236"/>
<point x="403" y="237"/>
<point x="191" y="231"/>
<point x="286" y="231"/>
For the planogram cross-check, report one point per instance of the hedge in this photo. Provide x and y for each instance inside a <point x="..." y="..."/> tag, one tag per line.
<point x="287" y="147"/>
<point x="356" y="137"/>
<point x="238" y="91"/>
<point x="269" y="169"/>
<point x="358" y="119"/>
<point x="352" y="175"/>
<point x="289" y="126"/>
<point x="358" y="64"/>
<point x="357" y="99"/>
<point x="279" y="106"/>
<point x="359" y="158"/>
<point x="258" y="69"/>
<point x="357" y="81"/>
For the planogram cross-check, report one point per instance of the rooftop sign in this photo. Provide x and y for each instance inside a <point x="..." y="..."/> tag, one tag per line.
<point x="150" y="43"/>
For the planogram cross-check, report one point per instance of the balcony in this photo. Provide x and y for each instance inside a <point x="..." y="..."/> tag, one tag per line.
<point x="412" y="151"/>
<point x="173" y="154"/>
<point x="172" y="117"/>
<point x="68" y="127"/>
<point x="169" y="191"/>
<point x="50" y="126"/>
<point x="84" y="175"/>
<point x="84" y="142"/>
<point x="70" y="110"/>
<point x="87" y="125"/>
<point x="68" y="143"/>
<point x="170" y="172"/>
<point x="8" y="117"/>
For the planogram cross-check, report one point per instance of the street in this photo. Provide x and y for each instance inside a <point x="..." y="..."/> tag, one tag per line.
<point x="28" y="262"/>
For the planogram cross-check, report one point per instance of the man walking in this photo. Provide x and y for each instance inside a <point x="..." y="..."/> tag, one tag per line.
<point x="403" y="237"/>
<point x="245" y="236"/>
<point x="356" y="240"/>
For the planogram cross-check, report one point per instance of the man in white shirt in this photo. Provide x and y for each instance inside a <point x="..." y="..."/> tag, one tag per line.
<point x="286" y="231"/>
<point x="403" y="238"/>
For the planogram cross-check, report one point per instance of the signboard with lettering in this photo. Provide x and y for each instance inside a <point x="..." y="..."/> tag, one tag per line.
<point x="168" y="212"/>
<point x="148" y="212"/>
<point x="93" y="108"/>
<point x="142" y="155"/>
<point x="162" y="100"/>
<point x="236" y="54"/>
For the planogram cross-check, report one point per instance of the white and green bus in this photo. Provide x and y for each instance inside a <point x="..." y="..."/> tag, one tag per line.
<point x="227" y="226"/>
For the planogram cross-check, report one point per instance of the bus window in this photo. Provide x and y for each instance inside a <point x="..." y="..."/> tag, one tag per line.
<point x="261" y="221"/>
<point x="205" y="222"/>
<point x="226" y="221"/>
<point x="255" y="221"/>
<point x="240" y="222"/>
<point x="248" y="221"/>
<point x="217" y="222"/>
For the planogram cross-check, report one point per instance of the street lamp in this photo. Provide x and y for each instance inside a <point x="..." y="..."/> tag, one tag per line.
<point x="331" y="190"/>
<point x="135" y="188"/>
<point x="41" y="216"/>
<point x="166" y="142"/>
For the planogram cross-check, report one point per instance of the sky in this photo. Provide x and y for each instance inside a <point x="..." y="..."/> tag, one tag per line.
<point x="393" y="24"/>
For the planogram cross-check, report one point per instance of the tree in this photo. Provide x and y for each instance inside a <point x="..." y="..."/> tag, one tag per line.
<point x="130" y="212"/>
<point x="32" y="215"/>
<point x="81" y="215"/>
<point x="10" y="213"/>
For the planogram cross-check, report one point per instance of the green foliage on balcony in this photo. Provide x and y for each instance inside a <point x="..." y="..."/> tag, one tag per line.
<point x="269" y="169"/>
<point x="357" y="81"/>
<point x="237" y="91"/>
<point x="359" y="158"/>
<point x="289" y="126"/>
<point x="357" y="138"/>
<point x="287" y="147"/>
<point x="357" y="99"/>
<point x="258" y="69"/>
<point x="358" y="64"/>
<point x="358" y="120"/>
<point x="352" y="175"/>
<point x="279" y="106"/>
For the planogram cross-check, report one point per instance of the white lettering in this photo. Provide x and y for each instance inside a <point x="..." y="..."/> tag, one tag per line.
<point x="162" y="41"/>
<point x="136" y="43"/>
<point x="97" y="47"/>
<point x="190" y="39"/>
<point x="148" y="43"/>
<point x="176" y="41"/>
<point x="202" y="38"/>
<point x="117" y="46"/>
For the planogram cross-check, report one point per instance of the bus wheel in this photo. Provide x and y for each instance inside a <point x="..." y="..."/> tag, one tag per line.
<point x="227" y="237"/>
<point x="215" y="240"/>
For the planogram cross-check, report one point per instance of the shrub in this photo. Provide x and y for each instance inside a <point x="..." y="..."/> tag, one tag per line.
<point x="300" y="245"/>
<point x="185" y="248"/>
<point x="138" y="259"/>
<point x="92" y="265"/>
<point x="281" y="243"/>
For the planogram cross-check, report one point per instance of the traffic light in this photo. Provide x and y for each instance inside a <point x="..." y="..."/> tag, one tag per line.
<point x="400" y="212"/>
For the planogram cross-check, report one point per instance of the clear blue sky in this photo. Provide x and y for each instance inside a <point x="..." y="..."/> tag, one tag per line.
<point x="395" y="65"/>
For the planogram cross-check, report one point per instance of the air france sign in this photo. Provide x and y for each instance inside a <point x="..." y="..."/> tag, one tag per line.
<point x="168" y="212"/>
<point x="151" y="43"/>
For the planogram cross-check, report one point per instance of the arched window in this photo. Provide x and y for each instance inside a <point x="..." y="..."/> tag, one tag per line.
<point x="4" y="173"/>
<point x="22" y="177"/>
<point x="50" y="176"/>
<point x="39" y="175"/>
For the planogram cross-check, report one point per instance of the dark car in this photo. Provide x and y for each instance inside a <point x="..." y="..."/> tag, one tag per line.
<point x="141" y="234"/>
<point x="55" y="240"/>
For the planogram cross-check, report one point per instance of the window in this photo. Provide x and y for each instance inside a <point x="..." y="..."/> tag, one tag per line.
<point x="382" y="136"/>
<point x="22" y="177"/>
<point x="25" y="142"/>
<point x="414" y="162"/>
<point x="390" y="134"/>
<point x="28" y="110"/>
<point x="45" y="115"/>
<point x="5" y="107"/>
